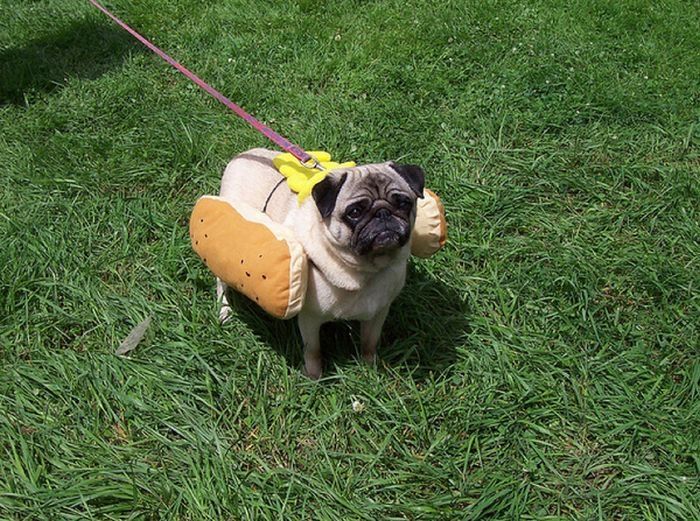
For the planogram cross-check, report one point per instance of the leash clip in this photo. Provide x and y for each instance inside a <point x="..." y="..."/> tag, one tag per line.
<point x="315" y="164"/>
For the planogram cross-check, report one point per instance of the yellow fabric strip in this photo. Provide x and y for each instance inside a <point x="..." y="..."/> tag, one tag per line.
<point x="301" y="179"/>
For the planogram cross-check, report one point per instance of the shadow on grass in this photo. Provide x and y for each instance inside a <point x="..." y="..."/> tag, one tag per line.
<point x="84" y="49"/>
<point x="425" y="323"/>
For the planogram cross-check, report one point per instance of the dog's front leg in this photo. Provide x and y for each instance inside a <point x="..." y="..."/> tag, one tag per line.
<point x="310" y="326"/>
<point x="370" y="331"/>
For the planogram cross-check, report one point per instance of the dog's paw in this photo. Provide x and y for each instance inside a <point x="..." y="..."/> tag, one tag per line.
<point x="312" y="375"/>
<point x="224" y="314"/>
<point x="370" y="358"/>
<point x="313" y="369"/>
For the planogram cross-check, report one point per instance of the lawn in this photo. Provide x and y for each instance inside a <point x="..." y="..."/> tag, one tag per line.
<point x="544" y="365"/>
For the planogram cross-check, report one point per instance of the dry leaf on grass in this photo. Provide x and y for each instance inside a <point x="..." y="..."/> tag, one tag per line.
<point x="134" y="338"/>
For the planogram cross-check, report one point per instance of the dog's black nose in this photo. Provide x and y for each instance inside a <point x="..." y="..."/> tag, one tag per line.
<point x="383" y="214"/>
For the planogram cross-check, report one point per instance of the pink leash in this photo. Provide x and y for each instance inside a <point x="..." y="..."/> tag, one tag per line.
<point x="273" y="136"/>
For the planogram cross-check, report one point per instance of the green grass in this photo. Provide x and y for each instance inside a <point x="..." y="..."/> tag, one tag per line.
<point x="544" y="365"/>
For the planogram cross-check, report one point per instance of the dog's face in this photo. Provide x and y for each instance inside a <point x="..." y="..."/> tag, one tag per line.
<point x="370" y="210"/>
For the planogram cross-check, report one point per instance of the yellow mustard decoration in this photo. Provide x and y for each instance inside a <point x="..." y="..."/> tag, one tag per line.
<point x="301" y="179"/>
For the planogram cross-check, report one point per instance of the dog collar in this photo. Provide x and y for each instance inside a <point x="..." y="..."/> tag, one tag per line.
<point x="301" y="179"/>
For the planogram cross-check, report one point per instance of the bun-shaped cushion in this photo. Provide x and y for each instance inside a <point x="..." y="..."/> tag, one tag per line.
<point x="251" y="253"/>
<point x="430" y="231"/>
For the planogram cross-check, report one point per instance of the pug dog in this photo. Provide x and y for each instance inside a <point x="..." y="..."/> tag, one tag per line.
<point x="356" y="231"/>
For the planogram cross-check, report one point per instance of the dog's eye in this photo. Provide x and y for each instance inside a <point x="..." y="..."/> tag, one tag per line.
<point x="354" y="212"/>
<point x="402" y="203"/>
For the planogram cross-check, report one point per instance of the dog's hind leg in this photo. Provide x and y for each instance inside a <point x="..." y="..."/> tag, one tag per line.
<point x="222" y="299"/>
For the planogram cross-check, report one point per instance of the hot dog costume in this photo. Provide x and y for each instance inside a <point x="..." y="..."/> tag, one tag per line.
<point x="263" y="259"/>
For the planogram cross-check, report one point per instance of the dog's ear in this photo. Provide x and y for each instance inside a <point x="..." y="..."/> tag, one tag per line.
<point x="326" y="192"/>
<point x="413" y="175"/>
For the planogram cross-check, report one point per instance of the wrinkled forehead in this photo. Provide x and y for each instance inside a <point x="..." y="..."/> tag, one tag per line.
<point x="375" y="182"/>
